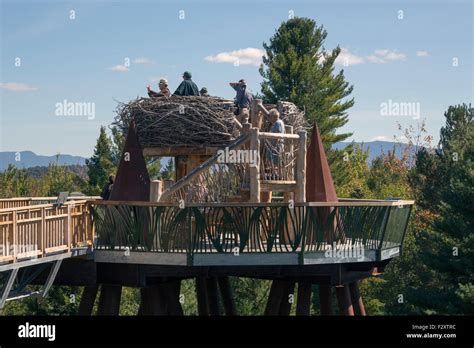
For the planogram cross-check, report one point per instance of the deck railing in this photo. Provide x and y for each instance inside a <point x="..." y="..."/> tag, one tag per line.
<point x="250" y="228"/>
<point x="43" y="229"/>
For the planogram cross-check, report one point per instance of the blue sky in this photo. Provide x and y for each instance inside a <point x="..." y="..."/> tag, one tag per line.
<point x="386" y="58"/>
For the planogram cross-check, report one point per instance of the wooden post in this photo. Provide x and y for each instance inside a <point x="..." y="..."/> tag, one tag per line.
<point x="88" y="297"/>
<point x="227" y="296"/>
<point x="255" y="170"/>
<point x="109" y="299"/>
<point x="325" y="299"/>
<point x="42" y="234"/>
<point x="344" y="300"/>
<point x="357" y="299"/>
<point x="156" y="188"/>
<point x="68" y="227"/>
<point x="15" y="237"/>
<point x="304" y="299"/>
<point x="300" y="192"/>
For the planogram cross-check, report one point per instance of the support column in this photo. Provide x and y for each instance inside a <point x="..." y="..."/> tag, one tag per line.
<point x="201" y="295"/>
<point x="109" y="300"/>
<point x="325" y="299"/>
<point x="344" y="300"/>
<point x="172" y="291"/>
<point x="88" y="297"/>
<point x="227" y="296"/>
<point x="285" y="304"/>
<point x="304" y="299"/>
<point x="357" y="299"/>
<point x="153" y="301"/>
<point x="278" y="300"/>
<point x="212" y="296"/>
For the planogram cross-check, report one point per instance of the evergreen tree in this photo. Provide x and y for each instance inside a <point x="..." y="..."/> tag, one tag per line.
<point x="446" y="190"/>
<point x="101" y="164"/>
<point x="300" y="70"/>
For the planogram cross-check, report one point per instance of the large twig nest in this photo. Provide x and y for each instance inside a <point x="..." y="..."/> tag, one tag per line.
<point x="187" y="121"/>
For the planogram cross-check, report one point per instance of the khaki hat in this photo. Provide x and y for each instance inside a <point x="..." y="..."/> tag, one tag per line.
<point x="164" y="81"/>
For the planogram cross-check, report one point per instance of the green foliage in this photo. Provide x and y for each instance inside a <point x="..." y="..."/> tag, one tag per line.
<point x="300" y="70"/>
<point x="101" y="165"/>
<point x="168" y="172"/>
<point x="14" y="182"/>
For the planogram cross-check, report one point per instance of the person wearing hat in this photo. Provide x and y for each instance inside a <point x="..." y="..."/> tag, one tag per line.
<point x="187" y="87"/>
<point x="243" y="100"/>
<point x="203" y="92"/>
<point x="164" y="90"/>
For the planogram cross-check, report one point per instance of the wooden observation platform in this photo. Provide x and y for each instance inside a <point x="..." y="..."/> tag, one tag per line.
<point x="232" y="211"/>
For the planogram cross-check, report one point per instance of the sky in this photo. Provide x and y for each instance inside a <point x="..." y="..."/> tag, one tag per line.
<point x="407" y="60"/>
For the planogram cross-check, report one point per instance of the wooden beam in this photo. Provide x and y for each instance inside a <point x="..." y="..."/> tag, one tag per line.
<point x="303" y="304"/>
<point x="109" y="300"/>
<point x="300" y="191"/>
<point x="255" y="169"/>
<point x="344" y="300"/>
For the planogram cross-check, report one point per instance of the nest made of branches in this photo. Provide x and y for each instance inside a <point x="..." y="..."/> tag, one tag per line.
<point x="189" y="121"/>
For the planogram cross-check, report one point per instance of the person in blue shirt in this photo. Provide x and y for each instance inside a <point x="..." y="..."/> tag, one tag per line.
<point x="243" y="100"/>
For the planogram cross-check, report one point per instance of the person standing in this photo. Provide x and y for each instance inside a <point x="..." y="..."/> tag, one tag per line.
<point x="107" y="189"/>
<point x="187" y="87"/>
<point x="243" y="100"/>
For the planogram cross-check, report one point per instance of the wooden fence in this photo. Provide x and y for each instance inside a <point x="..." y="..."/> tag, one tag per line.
<point x="43" y="229"/>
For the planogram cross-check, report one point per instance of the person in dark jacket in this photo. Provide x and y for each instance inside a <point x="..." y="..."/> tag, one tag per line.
<point x="107" y="190"/>
<point x="187" y="87"/>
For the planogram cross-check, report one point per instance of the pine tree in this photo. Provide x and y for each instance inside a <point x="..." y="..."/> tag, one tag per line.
<point x="300" y="70"/>
<point x="446" y="190"/>
<point x="101" y="164"/>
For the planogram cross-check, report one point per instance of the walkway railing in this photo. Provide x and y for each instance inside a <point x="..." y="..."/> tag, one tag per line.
<point x="36" y="231"/>
<point x="227" y="228"/>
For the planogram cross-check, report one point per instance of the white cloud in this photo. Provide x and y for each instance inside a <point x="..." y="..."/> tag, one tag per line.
<point x="347" y="58"/>
<point x="422" y="53"/>
<point x="382" y="138"/>
<point x="17" y="87"/>
<point x="387" y="54"/>
<point x="379" y="56"/>
<point x="142" y="60"/>
<point x="119" y="67"/>
<point x="244" y="56"/>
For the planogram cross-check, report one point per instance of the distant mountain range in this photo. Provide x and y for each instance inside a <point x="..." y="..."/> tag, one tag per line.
<point x="376" y="147"/>
<point x="28" y="159"/>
